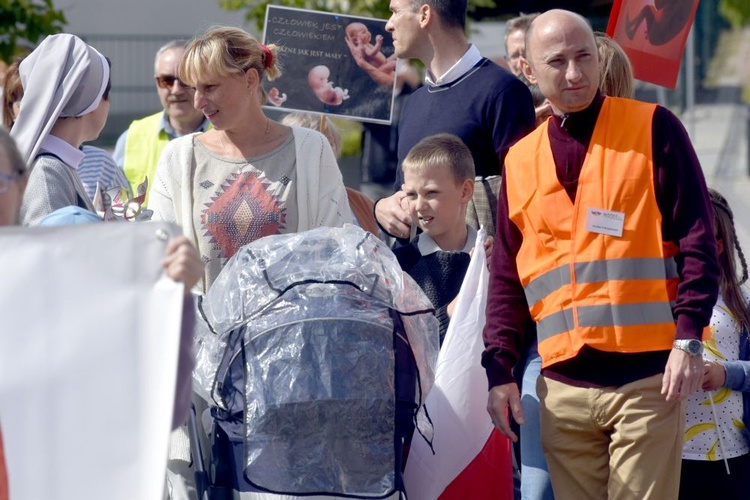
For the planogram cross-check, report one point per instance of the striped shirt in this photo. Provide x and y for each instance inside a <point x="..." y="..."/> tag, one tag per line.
<point x="98" y="166"/>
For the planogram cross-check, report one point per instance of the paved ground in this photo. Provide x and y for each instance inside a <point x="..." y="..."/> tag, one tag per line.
<point x="720" y="130"/>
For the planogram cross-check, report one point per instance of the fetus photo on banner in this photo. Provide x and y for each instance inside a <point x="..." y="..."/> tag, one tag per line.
<point x="331" y="64"/>
<point x="653" y="34"/>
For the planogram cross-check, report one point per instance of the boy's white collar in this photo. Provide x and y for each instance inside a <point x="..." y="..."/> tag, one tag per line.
<point x="426" y="245"/>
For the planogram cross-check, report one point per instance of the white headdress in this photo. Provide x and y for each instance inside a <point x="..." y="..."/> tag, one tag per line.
<point x="62" y="77"/>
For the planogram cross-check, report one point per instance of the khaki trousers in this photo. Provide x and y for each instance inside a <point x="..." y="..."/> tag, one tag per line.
<point x="616" y="443"/>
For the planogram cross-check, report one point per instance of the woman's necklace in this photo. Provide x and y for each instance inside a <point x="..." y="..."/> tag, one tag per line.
<point x="258" y="147"/>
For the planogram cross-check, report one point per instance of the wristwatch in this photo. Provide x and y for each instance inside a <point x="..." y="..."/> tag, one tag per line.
<point x="691" y="346"/>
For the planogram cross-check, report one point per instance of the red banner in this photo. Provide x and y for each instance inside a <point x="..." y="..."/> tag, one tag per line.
<point x="653" y="33"/>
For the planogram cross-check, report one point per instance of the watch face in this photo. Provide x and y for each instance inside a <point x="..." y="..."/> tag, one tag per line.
<point x="694" y="347"/>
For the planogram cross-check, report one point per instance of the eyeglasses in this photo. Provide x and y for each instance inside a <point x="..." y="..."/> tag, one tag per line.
<point x="7" y="179"/>
<point x="167" y="82"/>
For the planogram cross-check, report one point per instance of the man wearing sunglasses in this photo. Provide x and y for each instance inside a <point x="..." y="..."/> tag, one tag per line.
<point x="139" y="147"/>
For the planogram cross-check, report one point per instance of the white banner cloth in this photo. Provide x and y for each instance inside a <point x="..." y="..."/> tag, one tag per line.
<point x="89" y="334"/>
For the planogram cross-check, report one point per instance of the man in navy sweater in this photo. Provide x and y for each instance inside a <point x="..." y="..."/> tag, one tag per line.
<point x="466" y="95"/>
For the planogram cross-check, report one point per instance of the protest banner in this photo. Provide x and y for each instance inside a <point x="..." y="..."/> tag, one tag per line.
<point x="331" y="64"/>
<point x="653" y="35"/>
<point x="88" y="360"/>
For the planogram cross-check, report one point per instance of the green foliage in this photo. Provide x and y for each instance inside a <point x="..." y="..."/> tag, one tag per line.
<point x="26" y="20"/>
<point x="351" y="136"/>
<point x="255" y="10"/>
<point x="736" y="12"/>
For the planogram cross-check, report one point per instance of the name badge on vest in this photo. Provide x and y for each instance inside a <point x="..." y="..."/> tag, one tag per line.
<point x="605" y="222"/>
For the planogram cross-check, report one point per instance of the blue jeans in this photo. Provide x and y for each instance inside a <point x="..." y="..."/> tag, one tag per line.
<point x="535" y="483"/>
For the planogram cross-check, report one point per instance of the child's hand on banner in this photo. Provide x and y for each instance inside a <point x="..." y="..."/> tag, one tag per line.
<point x="488" y="243"/>
<point x="182" y="262"/>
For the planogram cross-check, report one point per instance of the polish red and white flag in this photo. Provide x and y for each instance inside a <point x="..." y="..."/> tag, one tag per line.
<point x="471" y="459"/>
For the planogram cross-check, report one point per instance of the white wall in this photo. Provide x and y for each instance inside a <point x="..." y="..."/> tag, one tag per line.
<point x="130" y="31"/>
<point x="489" y="37"/>
<point x="145" y="17"/>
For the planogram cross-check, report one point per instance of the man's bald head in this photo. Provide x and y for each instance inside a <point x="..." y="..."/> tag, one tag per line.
<point x="563" y="59"/>
<point x="552" y="16"/>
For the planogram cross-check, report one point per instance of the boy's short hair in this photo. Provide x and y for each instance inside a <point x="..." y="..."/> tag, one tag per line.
<point x="441" y="150"/>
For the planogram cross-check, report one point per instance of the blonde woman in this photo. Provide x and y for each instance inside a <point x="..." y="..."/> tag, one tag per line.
<point x="245" y="178"/>
<point x="249" y="176"/>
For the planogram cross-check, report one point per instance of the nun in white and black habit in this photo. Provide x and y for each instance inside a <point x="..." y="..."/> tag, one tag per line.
<point x="66" y="87"/>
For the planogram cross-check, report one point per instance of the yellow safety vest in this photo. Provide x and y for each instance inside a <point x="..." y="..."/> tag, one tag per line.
<point x="143" y="146"/>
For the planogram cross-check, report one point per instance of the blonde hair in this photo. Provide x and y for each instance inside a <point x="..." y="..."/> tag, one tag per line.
<point x="616" y="72"/>
<point x="445" y="150"/>
<point x="321" y="123"/>
<point x="225" y="51"/>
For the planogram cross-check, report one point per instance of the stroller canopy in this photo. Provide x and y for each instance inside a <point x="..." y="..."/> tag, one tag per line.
<point x="313" y="329"/>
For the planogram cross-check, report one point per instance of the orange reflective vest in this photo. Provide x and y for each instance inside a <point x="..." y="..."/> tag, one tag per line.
<point x="582" y="287"/>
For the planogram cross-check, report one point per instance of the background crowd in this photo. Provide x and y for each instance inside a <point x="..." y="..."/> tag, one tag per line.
<point x="616" y="326"/>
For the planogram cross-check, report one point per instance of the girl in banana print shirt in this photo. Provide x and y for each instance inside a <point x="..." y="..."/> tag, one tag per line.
<point x="726" y="381"/>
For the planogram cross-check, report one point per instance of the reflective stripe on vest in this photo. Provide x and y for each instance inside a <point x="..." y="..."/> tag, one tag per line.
<point x="600" y="270"/>
<point x="614" y="293"/>
<point x="604" y="315"/>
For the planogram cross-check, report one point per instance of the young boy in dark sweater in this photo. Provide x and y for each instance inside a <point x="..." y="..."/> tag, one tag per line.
<point x="439" y="183"/>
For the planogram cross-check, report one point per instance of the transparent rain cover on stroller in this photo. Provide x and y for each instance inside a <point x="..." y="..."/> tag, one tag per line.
<point x="309" y="323"/>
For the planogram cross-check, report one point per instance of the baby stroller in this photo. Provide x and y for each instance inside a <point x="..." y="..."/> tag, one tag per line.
<point x="321" y="354"/>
